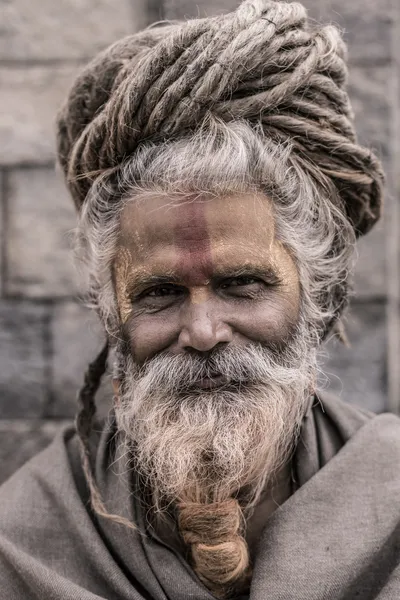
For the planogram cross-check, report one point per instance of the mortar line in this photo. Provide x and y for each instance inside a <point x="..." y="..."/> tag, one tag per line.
<point x="23" y="63"/>
<point x="29" y="164"/>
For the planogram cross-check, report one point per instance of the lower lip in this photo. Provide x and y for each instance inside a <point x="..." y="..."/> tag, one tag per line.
<point x="209" y="383"/>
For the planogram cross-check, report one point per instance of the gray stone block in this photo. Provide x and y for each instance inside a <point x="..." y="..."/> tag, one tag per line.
<point x="317" y="10"/>
<point x="367" y="25"/>
<point x="369" y="89"/>
<point x="358" y="374"/>
<point x="41" y="219"/>
<point x="370" y="94"/>
<point x="370" y="274"/>
<point x="23" y="386"/>
<point x="30" y="98"/>
<point x="21" y="439"/>
<point x="77" y="339"/>
<point x="64" y="29"/>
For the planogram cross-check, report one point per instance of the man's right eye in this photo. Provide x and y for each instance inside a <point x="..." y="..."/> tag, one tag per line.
<point x="163" y="291"/>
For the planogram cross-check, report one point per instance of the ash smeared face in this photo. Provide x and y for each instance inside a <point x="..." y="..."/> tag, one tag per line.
<point x="194" y="274"/>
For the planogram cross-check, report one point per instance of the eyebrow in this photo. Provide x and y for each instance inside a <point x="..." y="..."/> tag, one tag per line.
<point x="269" y="272"/>
<point x="141" y="281"/>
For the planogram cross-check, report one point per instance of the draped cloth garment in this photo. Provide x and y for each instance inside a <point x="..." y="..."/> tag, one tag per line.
<point x="337" y="537"/>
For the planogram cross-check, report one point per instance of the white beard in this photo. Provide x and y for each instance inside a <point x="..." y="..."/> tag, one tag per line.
<point x="194" y="445"/>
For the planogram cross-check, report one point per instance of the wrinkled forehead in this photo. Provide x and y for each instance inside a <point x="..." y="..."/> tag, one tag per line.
<point x="245" y="221"/>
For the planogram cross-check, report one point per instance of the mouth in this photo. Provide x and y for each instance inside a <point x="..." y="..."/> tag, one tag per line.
<point x="209" y="383"/>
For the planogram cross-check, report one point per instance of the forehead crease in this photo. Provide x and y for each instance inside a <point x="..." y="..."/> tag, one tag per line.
<point x="184" y="226"/>
<point x="146" y="226"/>
<point x="199" y="234"/>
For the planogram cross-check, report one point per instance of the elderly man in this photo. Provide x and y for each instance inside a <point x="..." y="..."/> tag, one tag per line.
<point x="220" y="191"/>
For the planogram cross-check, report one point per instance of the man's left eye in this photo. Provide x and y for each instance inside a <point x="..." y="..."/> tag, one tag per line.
<point x="240" y="282"/>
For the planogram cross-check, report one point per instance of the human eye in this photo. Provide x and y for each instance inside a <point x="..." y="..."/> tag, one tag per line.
<point x="163" y="291"/>
<point x="159" y="297"/>
<point x="243" y="286"/>
<point x="242" y="281"/>
<point x="248" y="285"/>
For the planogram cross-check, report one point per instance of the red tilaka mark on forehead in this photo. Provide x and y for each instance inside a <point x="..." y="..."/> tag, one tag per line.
<point x="193" y="245"/>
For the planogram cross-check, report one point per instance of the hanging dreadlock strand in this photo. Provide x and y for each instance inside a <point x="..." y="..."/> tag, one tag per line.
<point x="83" y="425"/>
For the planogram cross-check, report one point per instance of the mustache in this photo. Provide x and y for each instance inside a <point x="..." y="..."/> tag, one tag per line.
<point x="238" y="365"/>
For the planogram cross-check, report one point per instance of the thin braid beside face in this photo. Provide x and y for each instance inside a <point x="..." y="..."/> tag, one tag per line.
<point x="83" y="425"/>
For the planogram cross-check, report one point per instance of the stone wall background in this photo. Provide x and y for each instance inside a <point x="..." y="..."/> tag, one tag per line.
<point x="46" y="337"/>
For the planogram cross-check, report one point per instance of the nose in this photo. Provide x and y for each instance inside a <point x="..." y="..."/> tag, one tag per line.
<point x="202" y="328"/>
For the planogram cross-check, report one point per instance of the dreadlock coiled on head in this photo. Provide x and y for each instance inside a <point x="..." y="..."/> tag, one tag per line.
<point x="263" y="62"/>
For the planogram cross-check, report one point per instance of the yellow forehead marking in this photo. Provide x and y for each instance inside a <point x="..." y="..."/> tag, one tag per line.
<point x="122" y="269"/>
<point x="199" y="294"/>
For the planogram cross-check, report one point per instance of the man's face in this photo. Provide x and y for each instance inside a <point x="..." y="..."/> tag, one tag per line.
<point x="217" y="375"/>
<point x="194" y="274"/>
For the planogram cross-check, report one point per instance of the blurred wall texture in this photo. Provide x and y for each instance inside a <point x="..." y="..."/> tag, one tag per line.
<point x="46" y="337"/>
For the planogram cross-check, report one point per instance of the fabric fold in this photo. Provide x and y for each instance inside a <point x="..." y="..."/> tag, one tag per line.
<point x="337" y="537"/>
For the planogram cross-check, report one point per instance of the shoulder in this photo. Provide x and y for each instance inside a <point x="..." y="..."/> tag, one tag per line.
<point x="50" y="469"/>
<point x="347" y="418"/>
<point x="355" y="423"/>
<point x="42" y="515"/>
<point x="51" y="545"/>
<point x="332" y="426"/>
<point x="37" y="498"/>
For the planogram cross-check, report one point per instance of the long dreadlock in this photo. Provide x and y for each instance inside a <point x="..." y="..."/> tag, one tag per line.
<point x="84" y="424"/>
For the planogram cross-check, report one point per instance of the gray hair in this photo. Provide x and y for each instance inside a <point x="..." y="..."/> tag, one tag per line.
<point x="222" y="158"/>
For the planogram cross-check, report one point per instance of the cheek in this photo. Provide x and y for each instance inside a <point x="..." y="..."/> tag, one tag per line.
<point x="269" y="320"/>
<point x="149" y="334"/>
